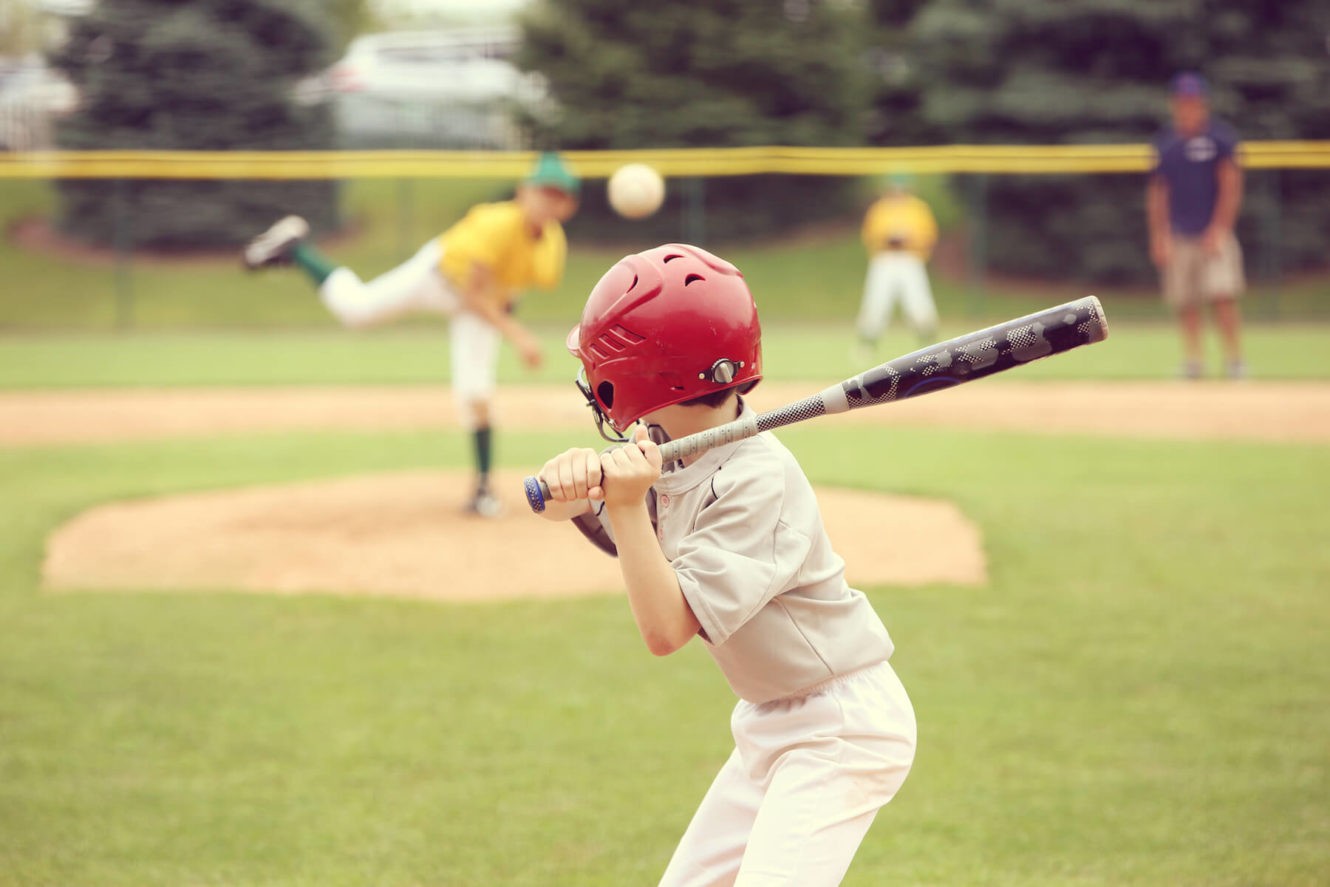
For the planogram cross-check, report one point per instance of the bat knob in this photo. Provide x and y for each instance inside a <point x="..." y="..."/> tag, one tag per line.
<point x="536" y="491"/>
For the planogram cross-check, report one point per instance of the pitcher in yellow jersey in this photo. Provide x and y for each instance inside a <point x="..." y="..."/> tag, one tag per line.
<point x="472" y="273"/>
<point x="899" y="232"/>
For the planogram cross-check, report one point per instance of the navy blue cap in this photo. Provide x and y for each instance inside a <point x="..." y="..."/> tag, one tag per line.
<point x="1188" y="84"/>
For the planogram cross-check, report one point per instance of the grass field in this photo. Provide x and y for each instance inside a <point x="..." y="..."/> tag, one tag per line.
<point x="1137" y="697"/>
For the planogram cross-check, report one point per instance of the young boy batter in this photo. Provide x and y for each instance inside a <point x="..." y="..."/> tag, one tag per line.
<point x="729" y="546"/>
<point x="472" y="273"/>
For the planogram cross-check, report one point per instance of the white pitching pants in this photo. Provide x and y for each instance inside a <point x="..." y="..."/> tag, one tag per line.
<point x="417" y="286"/>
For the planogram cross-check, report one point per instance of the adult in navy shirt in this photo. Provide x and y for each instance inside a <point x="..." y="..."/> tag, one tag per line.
<point x="1192" y="203"/>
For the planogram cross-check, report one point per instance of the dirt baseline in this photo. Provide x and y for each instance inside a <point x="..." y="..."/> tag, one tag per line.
<point x="1279" y="411"/>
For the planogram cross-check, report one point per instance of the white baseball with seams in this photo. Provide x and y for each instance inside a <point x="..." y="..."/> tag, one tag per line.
<point x="636" y="190"/>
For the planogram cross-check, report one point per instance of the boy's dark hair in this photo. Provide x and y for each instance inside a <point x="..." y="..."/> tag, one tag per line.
<point x="714" y="399"/>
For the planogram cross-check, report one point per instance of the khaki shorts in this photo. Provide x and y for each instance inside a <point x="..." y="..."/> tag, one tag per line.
<point x="1194" y="276"/>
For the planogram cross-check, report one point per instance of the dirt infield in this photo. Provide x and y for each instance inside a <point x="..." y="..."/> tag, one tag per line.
<point x="1243" y="411"/>
<point x="403" y="534"/>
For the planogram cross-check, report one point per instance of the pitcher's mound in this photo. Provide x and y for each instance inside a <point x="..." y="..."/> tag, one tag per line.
<point x="405" y="535"/>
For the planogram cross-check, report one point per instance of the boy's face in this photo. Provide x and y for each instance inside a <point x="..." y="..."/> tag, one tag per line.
<point x="544" y="204"/>
<point x="683" y="418"/>
<point x="665" y="416"/>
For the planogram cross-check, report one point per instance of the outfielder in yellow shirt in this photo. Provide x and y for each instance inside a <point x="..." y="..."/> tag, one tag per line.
<point x="899" y="232"/>
<point x="473" y="273"/>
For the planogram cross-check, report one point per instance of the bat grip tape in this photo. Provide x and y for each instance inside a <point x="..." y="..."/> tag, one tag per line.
<point x="538" y="492"/>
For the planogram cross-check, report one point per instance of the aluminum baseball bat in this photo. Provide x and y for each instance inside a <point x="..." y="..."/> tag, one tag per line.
<point x="954" y="362"/>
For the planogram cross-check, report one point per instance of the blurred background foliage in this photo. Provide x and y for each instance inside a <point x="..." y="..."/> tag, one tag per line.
<point x="1094" y="71"/>
<point x="224" y="74"/>
<point x="701" y="73"/>
<point x="206" y="75"/>
<point x="911" y="72"/>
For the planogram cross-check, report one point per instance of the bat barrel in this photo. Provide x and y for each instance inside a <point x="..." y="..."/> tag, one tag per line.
<point x="981" y="353"/>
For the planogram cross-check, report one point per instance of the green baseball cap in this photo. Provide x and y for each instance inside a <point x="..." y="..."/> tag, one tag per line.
<point x="551" y="172"/>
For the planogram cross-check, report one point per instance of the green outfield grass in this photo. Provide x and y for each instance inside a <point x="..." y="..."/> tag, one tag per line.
<point x="817" y="353"/>
<point x="208" y="323"/>
<point x="813" y="277"/>
<point x="1137" y="698"/>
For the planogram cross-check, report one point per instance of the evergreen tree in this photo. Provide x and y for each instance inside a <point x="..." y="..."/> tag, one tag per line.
<point x="704" y="73"/>
<point x="1095" y="71"/>
<point x="896" y="117"/>
<point x="206" y="75"/>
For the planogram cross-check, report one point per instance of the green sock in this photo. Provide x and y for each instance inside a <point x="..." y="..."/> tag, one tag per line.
<point x="484" y="450"/>
<point x="312" y="262"/>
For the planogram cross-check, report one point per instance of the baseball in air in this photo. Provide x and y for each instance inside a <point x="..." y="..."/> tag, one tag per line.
<point x="636" y="191"/>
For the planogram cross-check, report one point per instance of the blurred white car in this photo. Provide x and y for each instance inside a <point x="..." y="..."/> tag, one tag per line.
<point x="32" y="97"/>
<point x="444" y="89"/>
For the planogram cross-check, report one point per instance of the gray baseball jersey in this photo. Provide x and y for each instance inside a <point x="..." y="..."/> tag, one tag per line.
<point x="742" y="530"/>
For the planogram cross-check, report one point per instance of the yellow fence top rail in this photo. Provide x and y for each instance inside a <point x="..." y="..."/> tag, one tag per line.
<point x="996" y="159"/>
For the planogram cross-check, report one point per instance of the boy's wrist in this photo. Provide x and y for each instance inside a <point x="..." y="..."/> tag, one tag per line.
<point x="630" y="520"/>
<point x="627" y="507"/>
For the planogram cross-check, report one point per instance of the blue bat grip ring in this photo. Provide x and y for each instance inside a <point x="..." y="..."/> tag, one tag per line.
<point x="534" y="495"/>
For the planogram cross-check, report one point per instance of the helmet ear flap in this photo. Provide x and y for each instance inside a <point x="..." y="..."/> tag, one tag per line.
<point x="604" y="392"/>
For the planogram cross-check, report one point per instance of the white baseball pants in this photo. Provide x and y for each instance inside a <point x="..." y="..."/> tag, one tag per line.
<point x="418" y="286"/>
<point x="892" y="276"/>
<point x="798" y="793"/>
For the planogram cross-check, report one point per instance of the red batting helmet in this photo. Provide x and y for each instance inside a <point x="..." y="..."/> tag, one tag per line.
<point x="664" y="326"/>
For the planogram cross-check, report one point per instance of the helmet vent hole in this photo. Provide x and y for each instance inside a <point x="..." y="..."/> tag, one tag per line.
<point x="605" y="391"/>
<point x="691" y="277"/>
<point x="632" y="286"/>
<point x="671" y="257"/>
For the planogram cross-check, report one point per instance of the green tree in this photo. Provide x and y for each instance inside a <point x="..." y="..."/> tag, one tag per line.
<point x="1095" y="71"/>
<point x="896" y="76"/>
<point x="704" y="73"/>
<point x="206" y="75"/>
